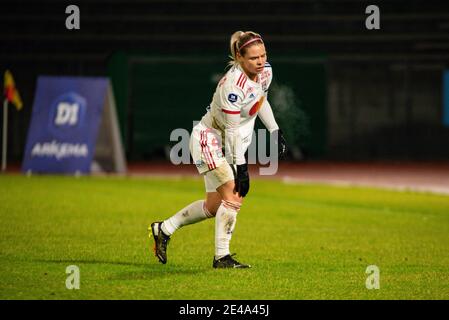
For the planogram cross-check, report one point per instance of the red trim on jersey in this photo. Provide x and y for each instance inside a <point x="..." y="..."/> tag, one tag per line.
<point x="242" y="80"/>
<point x="230" y="112"/>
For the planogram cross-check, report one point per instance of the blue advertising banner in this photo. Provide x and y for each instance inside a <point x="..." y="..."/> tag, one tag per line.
<point x="446" y="98"/>
<point x="66" y="117"/>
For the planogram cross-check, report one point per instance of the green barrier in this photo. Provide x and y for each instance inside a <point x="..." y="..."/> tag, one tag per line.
<point x="157" y="94"/>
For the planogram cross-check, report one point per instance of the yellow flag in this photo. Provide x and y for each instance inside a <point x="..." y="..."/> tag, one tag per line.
<point x="11" y="93"/>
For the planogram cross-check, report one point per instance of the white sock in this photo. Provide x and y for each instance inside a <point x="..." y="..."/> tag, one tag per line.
<point x="225" y="220"/>
<point x="193" y="213"/>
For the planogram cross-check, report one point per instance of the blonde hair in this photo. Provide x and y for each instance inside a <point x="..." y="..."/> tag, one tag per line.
<point x="239" y="42"/>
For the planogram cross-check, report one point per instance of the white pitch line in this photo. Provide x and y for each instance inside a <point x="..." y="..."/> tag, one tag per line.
<point x="344" y="183"/>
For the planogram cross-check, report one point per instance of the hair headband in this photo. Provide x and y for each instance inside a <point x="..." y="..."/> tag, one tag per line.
<point x="250" y="41"/>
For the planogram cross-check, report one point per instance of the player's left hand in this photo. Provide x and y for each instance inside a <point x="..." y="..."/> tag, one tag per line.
<point x="281" y="143"/>
<point x="242" y="180"/>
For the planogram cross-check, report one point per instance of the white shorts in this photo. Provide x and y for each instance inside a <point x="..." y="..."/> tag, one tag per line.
<point x="217" y="177"/>
<point x="207" y="155"/>
<point x="205" y="148"/>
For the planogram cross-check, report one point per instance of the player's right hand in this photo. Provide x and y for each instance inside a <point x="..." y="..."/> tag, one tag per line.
<point x="242" y="180"/>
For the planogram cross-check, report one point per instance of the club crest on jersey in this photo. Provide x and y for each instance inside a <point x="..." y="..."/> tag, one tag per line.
<point x="199" y="163"/>
<point x="232" y="97"/>
<point x="264" y="85"/>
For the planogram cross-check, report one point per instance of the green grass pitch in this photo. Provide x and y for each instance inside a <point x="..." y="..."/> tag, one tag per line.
<point x="304" y="241"/>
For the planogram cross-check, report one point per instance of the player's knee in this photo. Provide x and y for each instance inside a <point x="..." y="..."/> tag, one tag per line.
<point x="232" y="196"/>
<point x="235" y="205"/>
<point x="211" y="207"/>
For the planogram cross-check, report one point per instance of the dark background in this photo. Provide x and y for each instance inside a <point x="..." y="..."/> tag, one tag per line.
<point x="362" y="94"/>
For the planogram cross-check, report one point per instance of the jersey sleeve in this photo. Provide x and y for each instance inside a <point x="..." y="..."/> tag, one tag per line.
<point x="269" y="71"/>
<point x="231" y="99"/>
<point x="265" y="114"/>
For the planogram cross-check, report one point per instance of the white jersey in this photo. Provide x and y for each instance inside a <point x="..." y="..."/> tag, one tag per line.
<point x="236" y="103"/>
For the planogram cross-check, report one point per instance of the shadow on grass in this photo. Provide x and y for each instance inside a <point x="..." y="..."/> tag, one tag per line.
<point x="85" y="261"/>
<point x="146" y="270"/>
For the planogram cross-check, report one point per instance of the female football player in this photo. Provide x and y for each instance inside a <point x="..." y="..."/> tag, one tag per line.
<point x="227" y="126"/>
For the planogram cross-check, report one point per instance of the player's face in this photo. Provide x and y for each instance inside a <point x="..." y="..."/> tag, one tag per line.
<point x="254" y="60"/>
